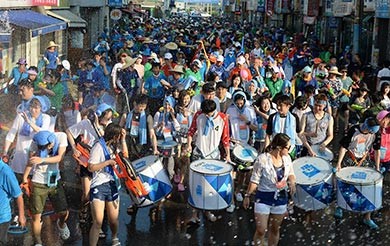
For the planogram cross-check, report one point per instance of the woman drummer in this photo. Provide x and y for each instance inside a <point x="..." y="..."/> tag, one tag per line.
<point x="354" y="151"/>
<point x="272" y="177"/>
<point x="242" y="120"/>
<point x="316" y="127"/>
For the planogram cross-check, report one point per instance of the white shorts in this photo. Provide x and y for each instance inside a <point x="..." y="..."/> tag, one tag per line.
<point x="261" y="208"/>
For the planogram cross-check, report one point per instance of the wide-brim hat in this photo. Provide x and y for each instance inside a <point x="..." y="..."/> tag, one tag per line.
<point x="129" y="43"/>
<point x="22" y="61"/>
<point x="335" y="70"/>
<point x="177" y="69"/>
<point x="51" y="44"/>
<point x="147" y="41"/>
<point x="129" y="61"/>
<point x="171" y="46"/>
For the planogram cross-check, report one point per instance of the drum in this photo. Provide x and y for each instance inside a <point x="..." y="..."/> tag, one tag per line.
<point x="211" y="185"/>
<point x="327" y="154"/>
<point x="167" y="148"/>
<point x="155" y="179"/>
<point x="359" y="189"/>
<point x="313" y="183"/>
<point x="244" y="156"/>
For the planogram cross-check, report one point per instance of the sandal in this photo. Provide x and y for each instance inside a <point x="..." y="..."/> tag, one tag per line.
<point x="102" y="234"/>
<point x="180" y="187"/>
<point x="64" y="232"/>
<point x="116" y="242"/>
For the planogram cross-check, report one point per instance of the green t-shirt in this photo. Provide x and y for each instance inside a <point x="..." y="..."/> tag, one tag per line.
<point x="56" y="101"/>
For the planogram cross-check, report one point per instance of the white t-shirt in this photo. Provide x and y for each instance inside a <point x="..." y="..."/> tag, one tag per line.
<point x="384" y="72"/>
<point x="41" y="171"/>
<point x="196" y="102"/>
<point x="239" y="129"/>
<point x="72" y="117"/>
<point x="97" y="156"/>
<point x="19" y="161"/>
<point x="85" y="128"/>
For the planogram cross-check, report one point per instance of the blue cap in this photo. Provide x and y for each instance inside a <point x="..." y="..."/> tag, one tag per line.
<point x="103" y="107"/>
<point x="44" y="137"/>
<point x="170" y="100"/>
<point x="45" y="103"/>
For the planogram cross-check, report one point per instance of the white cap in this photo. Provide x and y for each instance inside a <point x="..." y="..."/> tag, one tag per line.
<point x="240" y="60"/>
<point x="237" y="44"/>
<point x="220" y="58"/>
<point x="168" y="56"/>
<point x="66" y="64"/>
<point x="197" y="63"/>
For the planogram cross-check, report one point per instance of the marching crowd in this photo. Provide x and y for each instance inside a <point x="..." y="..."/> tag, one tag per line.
<point x="198" y="89"/>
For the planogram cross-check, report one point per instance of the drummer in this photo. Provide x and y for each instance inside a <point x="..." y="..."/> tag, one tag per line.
<point x="272" y="176"/>
<point x="356" y="145"/>
<point x="141" y="134"/>
<point x="212" y="128"/>
<point x="316" y="127"/>
<point x="382" y="155"/>
<point x="283" y="121"/>
<point x="242" y="121"/>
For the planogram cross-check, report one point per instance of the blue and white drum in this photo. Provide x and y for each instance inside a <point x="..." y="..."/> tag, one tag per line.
<point x="359" y="189"/>
<point x="167" y="148"/>
<point x="155" y="179"/>
<point x="244" y="156"/>
<point x="313" y="183"/>
<point x="327" y="154"/>
<point x="211" y="185"/>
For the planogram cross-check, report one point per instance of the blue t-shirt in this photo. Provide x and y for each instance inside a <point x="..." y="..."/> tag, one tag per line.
<point x="154" y="87"/>
<point x="9" y="188"/>
<point x="52" y="57"/>
<point x="17" y="75"/>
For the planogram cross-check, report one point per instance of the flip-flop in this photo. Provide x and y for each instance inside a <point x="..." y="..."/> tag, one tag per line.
<point x="16" y="229"/>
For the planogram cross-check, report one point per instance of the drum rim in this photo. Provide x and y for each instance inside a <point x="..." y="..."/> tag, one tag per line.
<point x="156" y="158"/>
<point x="212" y="174"/>
<point x="338" y="178"/>
<point x="170" y="145"/>
<point x="243" y="146"/>
<point x="317" y="146"/>
<point x="315" y="157"/>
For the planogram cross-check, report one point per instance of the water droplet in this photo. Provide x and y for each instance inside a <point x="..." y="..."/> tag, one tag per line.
<point x="188" y="236"/>
<point x="240" y="218"/>
<point x="298" y="234"/>
<point x="235" y="236"/>
<point x="230" y="223"/>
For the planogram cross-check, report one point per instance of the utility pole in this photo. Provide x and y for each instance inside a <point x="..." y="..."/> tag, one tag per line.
<point x="357" y="25"/>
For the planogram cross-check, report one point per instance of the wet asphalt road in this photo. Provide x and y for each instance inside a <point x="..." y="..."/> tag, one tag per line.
<point x="230" y="229"/>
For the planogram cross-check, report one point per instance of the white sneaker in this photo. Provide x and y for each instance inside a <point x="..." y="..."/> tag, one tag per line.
<point x="231" y="208"/>
<point x="211" y="217"/>
<point x="239" y="197"/>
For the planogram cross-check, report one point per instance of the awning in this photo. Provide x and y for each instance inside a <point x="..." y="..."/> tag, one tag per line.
<point x="67" y="16"/>
<point x="39" y="24"/>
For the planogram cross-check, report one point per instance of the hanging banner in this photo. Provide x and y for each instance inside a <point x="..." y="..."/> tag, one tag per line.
<point x="270" y="7"/>
<point x="260" y="6"/>
<point x="115" y="3"/>
<point x="382" y="9"/>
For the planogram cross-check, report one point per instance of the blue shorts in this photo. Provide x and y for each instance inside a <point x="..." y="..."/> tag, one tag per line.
<point x="105" y="192"/>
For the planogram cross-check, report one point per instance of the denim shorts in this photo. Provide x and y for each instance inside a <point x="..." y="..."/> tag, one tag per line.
<point x="105" y="192"/>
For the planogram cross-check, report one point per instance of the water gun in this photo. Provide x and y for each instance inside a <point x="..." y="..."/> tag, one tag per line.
<point x="330" y="90"/>
<point x="25" y="187"/>
<point x="84" y="155"/>
<point x="357" y="107"/>
<point x="346" y="92"/>
<point x="130" y="176"/>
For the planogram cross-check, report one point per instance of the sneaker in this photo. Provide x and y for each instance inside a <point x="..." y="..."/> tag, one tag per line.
<point x="338" y="213"/>
<point x="211" y="217"/>
<point x="371" y="224"/>
<point x="239" y="197"/>
<point x="231" y="208"/>
<point x="102" y="234"/>
<point x="116" y="242"/>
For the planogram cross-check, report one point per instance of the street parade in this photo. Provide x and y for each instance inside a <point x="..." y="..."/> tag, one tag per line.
<point x="186" y="130"/>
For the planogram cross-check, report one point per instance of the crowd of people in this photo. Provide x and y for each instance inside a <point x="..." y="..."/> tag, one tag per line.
<point x="208" y="86"/>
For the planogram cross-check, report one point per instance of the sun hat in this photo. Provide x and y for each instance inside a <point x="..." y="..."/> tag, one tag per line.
<point x="129" y="61"/>
<point x="334" y="70"/>
<point x="382" y="114"/>
<point x="178" y="69"/>
<point x="52" y="44"/>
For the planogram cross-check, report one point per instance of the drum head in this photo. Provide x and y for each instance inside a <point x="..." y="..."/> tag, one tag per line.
<point x="327" y="154"/>
<point x="166" y="144"/>
<point x="311" y="170"/>
<point x="245" y="153"/>
<point x="359" y="175"/>
<point x="212" y="167"/>
<point x="144" y="162"/>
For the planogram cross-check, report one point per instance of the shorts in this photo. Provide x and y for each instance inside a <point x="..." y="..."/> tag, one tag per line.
<point x="40" y="192"/>
<point x="105" y="192"/>
<point x="261" y="208"/>
<point x="84" y="172"/>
